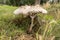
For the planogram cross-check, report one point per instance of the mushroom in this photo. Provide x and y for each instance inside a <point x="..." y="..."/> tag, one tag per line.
<point x="30" y="11"/>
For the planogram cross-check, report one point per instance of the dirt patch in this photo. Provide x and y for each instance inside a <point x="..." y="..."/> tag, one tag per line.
<point x="24" y="37"/>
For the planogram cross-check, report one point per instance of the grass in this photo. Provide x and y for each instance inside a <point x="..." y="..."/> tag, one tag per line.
<point x="7" y="28"/>
<point x="12" y="25"/>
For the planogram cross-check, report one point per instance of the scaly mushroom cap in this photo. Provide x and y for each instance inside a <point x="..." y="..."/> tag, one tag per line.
<point x="22" y="10"/>
<point x="37" y="9"/>
<point x="28" y="9"/>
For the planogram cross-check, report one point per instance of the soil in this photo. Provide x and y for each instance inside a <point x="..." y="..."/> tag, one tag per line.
<point x="24" y="37"/>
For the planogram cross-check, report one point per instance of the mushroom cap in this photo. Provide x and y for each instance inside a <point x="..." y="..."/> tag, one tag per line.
<point x="30" y="9"/>
<point x="37" y="9"/>
<point x="22" y="10"/>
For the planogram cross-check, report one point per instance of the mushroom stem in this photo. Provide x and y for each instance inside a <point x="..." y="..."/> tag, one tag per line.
<point x="32" y="23"/>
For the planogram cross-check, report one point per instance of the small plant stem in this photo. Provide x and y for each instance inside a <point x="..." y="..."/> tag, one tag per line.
<point x="53" y="38"/>
<point x="37" y="2"/>
<point x="36" y="36"/>
<point x="44" y="33"/>
<point x="58" y="14"/>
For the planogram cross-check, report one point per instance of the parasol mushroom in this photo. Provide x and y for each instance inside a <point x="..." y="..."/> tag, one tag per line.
<point x="30" y="11"/>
